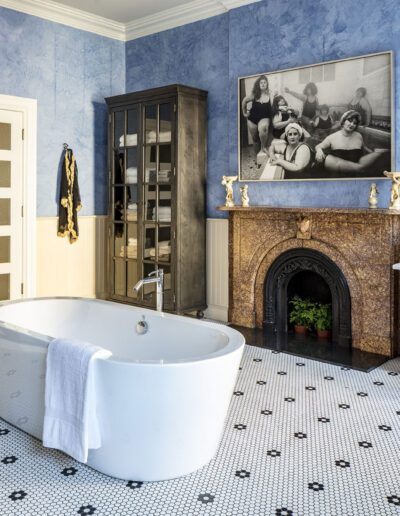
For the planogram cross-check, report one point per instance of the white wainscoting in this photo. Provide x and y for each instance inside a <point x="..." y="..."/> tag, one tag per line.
<point x="217" y="269"/>
<point x="65" y="269"/>
<point x="79" y="269"/>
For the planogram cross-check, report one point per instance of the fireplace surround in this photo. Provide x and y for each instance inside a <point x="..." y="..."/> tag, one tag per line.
<point x="356" y="247"/>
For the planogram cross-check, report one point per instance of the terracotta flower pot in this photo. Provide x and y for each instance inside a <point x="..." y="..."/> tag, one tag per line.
<point x="300" y="329"/>
<point x="324" y="334"/>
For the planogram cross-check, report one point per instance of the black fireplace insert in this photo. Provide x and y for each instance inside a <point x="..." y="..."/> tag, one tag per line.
<point x="310" y="274"/>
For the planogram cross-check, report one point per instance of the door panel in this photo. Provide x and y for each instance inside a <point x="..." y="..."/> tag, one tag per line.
<point x="11" y="152"/>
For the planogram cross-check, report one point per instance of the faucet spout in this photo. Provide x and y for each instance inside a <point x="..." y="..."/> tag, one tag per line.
<point x="156" y="277"/>
<point x="138" y="285"/>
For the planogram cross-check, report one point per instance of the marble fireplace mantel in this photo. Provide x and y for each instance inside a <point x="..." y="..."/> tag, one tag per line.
<point x="363" y="243"/>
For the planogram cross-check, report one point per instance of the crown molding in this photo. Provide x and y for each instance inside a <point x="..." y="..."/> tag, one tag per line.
<point x="174" y="17"/>
<point x="168" y="19"/>
<point x="233" y="4"/>
<point x="70" y="16"/>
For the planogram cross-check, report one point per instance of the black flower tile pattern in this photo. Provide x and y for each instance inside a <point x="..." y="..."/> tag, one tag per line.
<point x="274" y="453"/>
<point x="134" y="484"/>
<point x="206" y="498"/>
<point x="342" y="463"/>
<point x="315" y="486"/>
<point x="395" y="500"/>
<point x="238" y="393"/>
<point x="299" y="444"/>
<point x="242" y="473"/>
<point x="365" y="444"/>
<point x="266" y="412"/>
<point x="9" y="460"/>
<point x="87" y="509"/>
<point x="17" y="495"/>
<point x="69" y="471"/>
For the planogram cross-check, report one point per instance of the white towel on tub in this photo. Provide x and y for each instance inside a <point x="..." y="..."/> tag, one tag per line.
<point x="70" y="421"/>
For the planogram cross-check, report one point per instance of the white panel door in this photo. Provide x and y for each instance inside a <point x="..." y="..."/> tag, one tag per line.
<point x="11" y="199"/>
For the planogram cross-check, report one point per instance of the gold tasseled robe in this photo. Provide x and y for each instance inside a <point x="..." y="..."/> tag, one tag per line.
<point x="70" y="199"/>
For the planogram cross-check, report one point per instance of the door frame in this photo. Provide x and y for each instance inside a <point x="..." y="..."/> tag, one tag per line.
<point x="28" y="108"/>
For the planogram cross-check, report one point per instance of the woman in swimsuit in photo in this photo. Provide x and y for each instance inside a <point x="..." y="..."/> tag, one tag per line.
<point x="310" y="103"/>
<point x="256" y="107"/>
<point x="282" y="116"/>
<point x="296" y="155"/>
<point x="360" y="104"/>
<point x="344" y="150"/>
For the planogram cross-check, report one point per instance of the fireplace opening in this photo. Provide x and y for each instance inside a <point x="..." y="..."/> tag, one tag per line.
<point x="308" y="285"/>
<point x="308" y="274"/>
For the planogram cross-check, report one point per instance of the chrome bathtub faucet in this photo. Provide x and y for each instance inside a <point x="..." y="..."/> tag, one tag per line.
<point x="156" y="277"/>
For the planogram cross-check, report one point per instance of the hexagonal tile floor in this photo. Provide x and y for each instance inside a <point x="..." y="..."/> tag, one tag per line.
<point x="301" y="438"/>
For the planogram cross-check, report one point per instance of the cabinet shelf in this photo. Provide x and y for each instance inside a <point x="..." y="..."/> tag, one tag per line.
<point x="125" y="259"/>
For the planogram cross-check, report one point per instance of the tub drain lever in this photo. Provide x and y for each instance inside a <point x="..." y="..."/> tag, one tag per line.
<point x="142" y="327"/>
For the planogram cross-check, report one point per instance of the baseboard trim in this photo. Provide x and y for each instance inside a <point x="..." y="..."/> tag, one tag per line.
<point x="219" y="313"/>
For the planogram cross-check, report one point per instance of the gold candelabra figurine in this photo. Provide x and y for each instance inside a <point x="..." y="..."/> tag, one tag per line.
<point x="394" y="192"/>
<point x="227" y="181"/>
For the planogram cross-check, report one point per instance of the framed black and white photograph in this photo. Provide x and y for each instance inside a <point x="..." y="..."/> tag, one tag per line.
<point x="331" y="120"/>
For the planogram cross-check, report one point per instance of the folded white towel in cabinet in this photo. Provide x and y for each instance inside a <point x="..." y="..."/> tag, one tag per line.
<point x="163" y="136"/>
<point x="131" y="175"/>
<point x="130" y="140"/>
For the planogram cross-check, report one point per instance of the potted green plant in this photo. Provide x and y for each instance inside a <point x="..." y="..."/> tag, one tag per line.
<point x="323" y="320"/>
<point x="301" y="314"/>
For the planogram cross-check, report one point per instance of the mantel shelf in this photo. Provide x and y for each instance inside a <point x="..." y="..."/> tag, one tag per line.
<point x="305" y="209"/>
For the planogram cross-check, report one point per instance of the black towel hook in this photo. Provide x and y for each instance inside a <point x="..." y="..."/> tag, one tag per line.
<point x="65" y="145"/>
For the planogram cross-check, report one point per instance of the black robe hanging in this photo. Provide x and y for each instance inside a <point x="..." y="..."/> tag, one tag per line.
<point x="70" y="199"/>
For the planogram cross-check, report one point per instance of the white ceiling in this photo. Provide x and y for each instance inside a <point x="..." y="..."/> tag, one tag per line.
<point x="123" y="11"/>
<point x="124" y="19"/>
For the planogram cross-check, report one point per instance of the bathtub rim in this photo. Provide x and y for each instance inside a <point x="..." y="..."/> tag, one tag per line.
<point x="236" y="340"/>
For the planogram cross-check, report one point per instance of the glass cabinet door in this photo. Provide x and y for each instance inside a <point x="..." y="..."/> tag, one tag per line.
<point x="157" y="197"/>
<point x="142" y="183"/>
<point x="125" y="170"/>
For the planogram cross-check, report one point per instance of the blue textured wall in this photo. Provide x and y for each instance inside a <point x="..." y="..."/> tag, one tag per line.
<point x="265" y="36"/>
<point x="69" y="72"/>
<point x="196" y="55"/>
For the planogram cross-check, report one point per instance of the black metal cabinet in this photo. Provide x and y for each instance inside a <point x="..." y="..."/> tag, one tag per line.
<point x="157" y="180"/>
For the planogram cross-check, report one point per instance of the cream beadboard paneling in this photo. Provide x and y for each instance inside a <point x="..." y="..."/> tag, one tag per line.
<point x="79" y="269"/>
<point x="65" y="269"/>
<point x="217" y="269"/>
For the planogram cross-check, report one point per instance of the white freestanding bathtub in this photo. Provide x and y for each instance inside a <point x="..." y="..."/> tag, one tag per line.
<point x="161" y="398"/>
